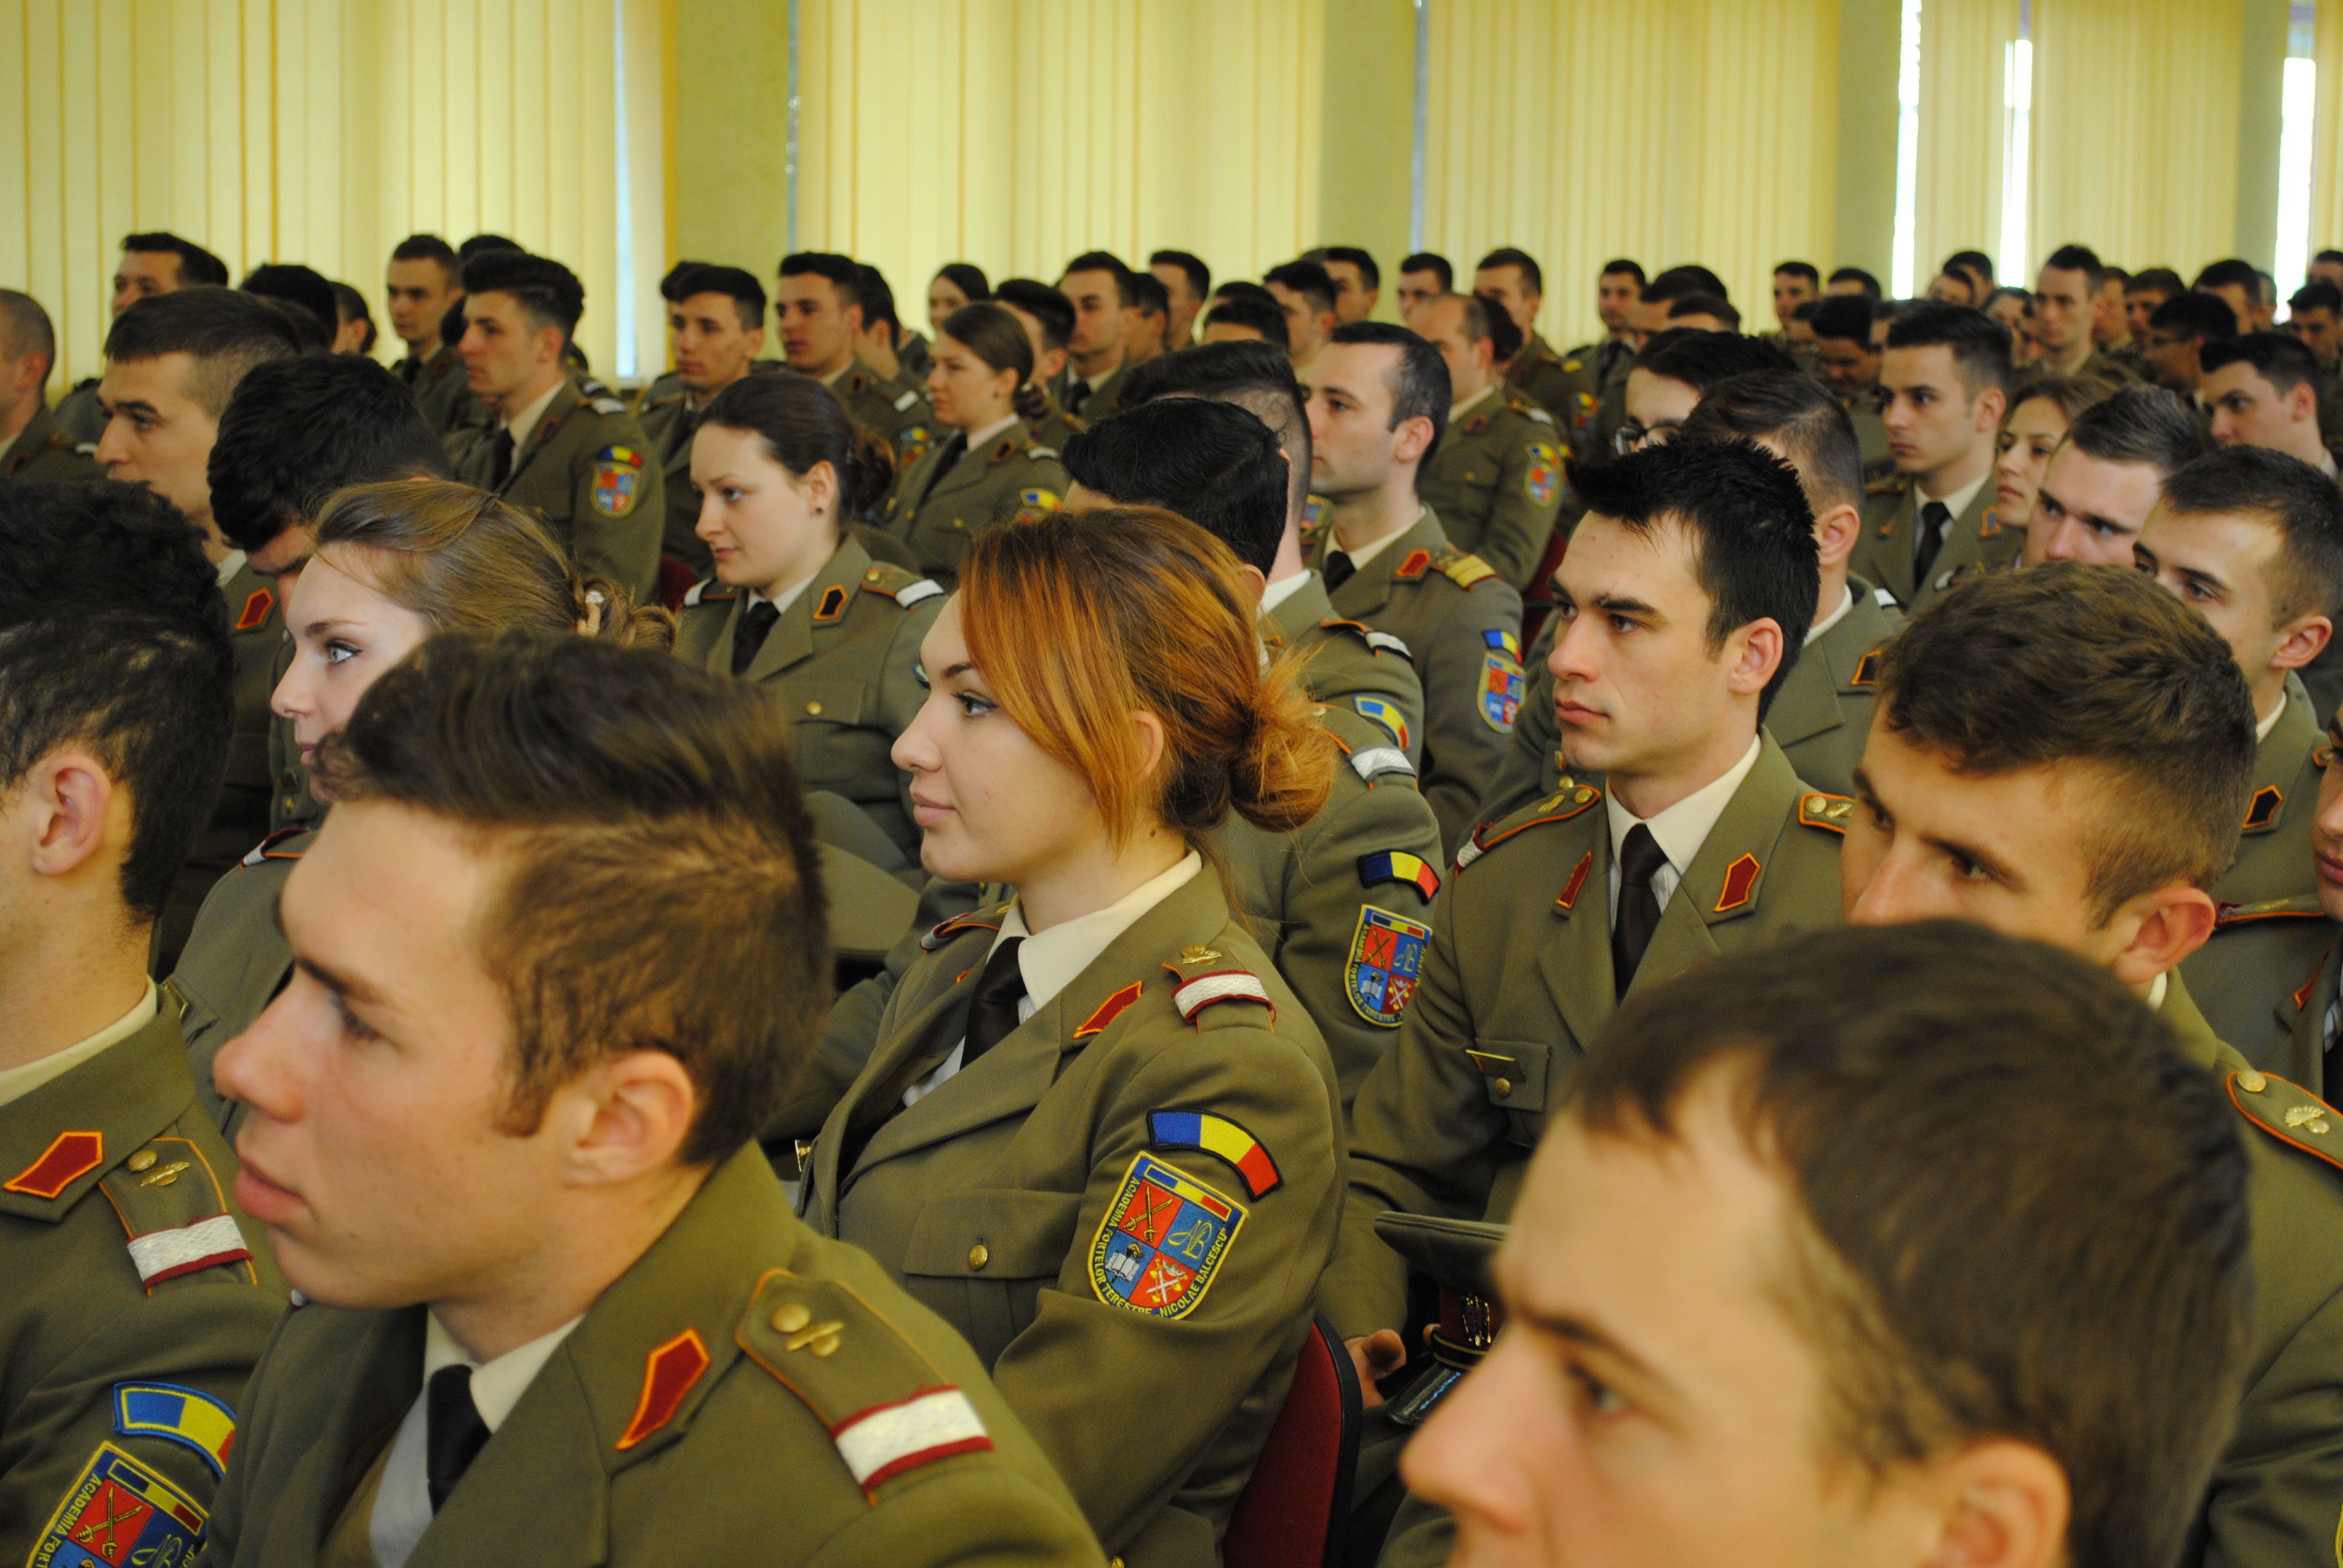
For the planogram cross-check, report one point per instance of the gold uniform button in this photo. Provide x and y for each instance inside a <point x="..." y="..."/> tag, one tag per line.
<point x="958" y="524"/>
<point x="814" y="708"/>
<point x="873" y="575"/>
<point x="790" y="1319"/>
<point x="1502" y="1088"/>
<point x="979" y="1255"/>
<point x="142" y="1160"/>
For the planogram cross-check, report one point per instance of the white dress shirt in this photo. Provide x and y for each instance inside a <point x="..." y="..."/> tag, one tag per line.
<point x="16" y="1082"/>
<point x="1680" y="831"/>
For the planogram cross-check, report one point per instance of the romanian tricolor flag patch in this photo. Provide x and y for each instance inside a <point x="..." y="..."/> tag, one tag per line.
<point x="184" y="1416"/>
<point x="1216" y="1135"/>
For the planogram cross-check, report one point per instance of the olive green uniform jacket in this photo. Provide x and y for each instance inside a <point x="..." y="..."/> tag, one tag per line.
<point x="1098" y="402"/>
<point x="1463" y="624"/>
<point x="1517" y="981"/>
<point x="843" y="661"/>
<point x="727" y="1458"/>
<point x="897" y="412"/>
<point x="441" y="389"/>
<point x="1495" y="483"/>
<point x="2277" y="1491"/>
<point x="1056" y="426"/>
<point x="996" y="1202"/>
<point x="935" y="511"/>
<point x="662" y="416"/>
<point x="2270" y="932"/>
<point x="1564" y="385"/>
<point x="112" y="1149"/>
<point x="589" y="472"/>
<point x="2304" y="1011"/>
<point x="1594" y="368"/>
<point x="1974" y="542"/>
<point x="43" y="451"/>
<point x="1350" y="665"/>
<point x="235" y="961"/>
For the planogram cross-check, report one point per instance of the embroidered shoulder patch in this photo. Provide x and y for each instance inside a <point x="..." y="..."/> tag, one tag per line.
<point x="1163" y="1239"/>
<point x="212" y="1243"/>
<point x="1386" y="714"/>
<point x="1197" y="992"/>
<point x="1372" y="762"/>
<point x="1544" y="480"/>
<point x="1032" y="506"/>
<point x="911" y="443"/>
<point x="617" y="474"/>
<point x="176" y="1414"/>
<point x="887" y="1439"/>
<point x="118" y="1511"/>
<point x="1503" y="681"/>
<point x="1217" y="1135"/>
<point x="1398" y="866"/>
<point x="1386" y="962"/>
<point x="1829" y="812"/>
<point x="255" y="614"/>
<point x="669" y="1372"/>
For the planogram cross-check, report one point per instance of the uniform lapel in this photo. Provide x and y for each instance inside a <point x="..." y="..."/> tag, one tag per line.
<point x="1964" y="547"/>
<point x="1575" y="962"/>
<point x="1369" y="588"/>
<point x="2278" y="760"/>
<point x="564" y="398"/>
<point x="1301" y="609"/>
<point x="974" y="464"/>
<point x="1726" y="879"/>
<point x="1893" y="549"/>
<point x="382" y="1373"/>
<point x="717" y="660"/>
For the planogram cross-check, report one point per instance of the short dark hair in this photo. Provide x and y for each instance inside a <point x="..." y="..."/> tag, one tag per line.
<point x="25" y="328"/>
<point x="877" y="298"/>
<point x="2161" y="280"/>
<point x="198" y="269"/>
<point x="1264" y="316"/>
<point x="2316" y="296"/>
<point x="1845" y="315"/>
<point x="737" y="284"/>
<point x="1683" y="283"/>
<point x="1436" y="265"/>
<point x="2079" y="258"/>
<point x="2140" y="425"/>
<point x="2282" y="359"/>
<point x="1354" y="257"/>
<point x="1512" y="256"/>
<point x="1045" y="304"/>
<point x="139" y="672"/>
<point x="2327" y="256"/>
<point x="1103" y="261"/>
<point x="1746" y="519"/>
<point x="661" y="891"/>
<point x="2231" y="273"/>
<point x="1307" y="278"/>
<point x="1485" y="316"/>
<point x="1796" y="411"/>
<point x="298" y="430"/>
<point x="1420" y="387"/>
<point x="2297" y="499"/>
<point x="844" y="273"/>
<point x="1619" y="265"/>
<point x="485" y="242"/>
<point x="2076" y="664"/>
<point x="1714" y="304"/>
<point x="1255" y="377"/>
<point x="1702" y="359"/>
<point x="1243" y="288"/>
<point x="967" y="277"/>
<point x="1215" y="464"/>
<point x="1871" y="289"/>
<point x="351" y="305"/>
<point x="1806" y="269"/>
<point x="547" y="293"/>
<point x="427" y="247"/>
<point x="225" y="332"/>
<point x="1199" y="276"/>
<point x="1980" y="345"/>
<point x="297" y="285"/>
<point x="2190" y="314"/>
<point x="1927" y="1120"/>
<point x="1149" y="296"/>
<point x="1971" y="261"/>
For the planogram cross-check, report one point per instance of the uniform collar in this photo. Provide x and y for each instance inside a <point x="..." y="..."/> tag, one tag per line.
<point x="1051" y="961"/>
<point x="498" y="1384"/>
<point x="230" y="564"/>
<point x="1685" y="827"/>
<point x="524" y="424"/>
<point x="18" y="1082"/>
<point x="1457" y="411"/>
<point x="1845" y="608"/>
<point x="1958" y="503"/>
<point x="1365" y="553"/>
<point x="2262" y="727"/>
<point x="1278" y="592"/>
<point x="978" y="440"/>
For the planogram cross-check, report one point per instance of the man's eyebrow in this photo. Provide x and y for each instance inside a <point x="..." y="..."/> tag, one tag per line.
<point x="1995" y="865"/>
<point x="347" y="986"/>
<point x="2201" y="577"/>
<point x="139" y="404"/>
<point x="1620" y="604"/>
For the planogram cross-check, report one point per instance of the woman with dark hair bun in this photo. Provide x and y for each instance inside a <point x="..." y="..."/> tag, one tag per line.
<point x="991" y="471"/>
<point x="796" y="603"/>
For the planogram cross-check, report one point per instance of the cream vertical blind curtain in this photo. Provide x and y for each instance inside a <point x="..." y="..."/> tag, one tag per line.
<point x="1964" y="44"/>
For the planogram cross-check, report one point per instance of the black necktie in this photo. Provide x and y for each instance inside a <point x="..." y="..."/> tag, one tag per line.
<point x="1339" y="569"/>
<point x="755" y="627"/>
<point x="1639" y="907"/>
<point x="1934" y="516"/>
<point x="454" y="1433"/>
<point x="993" y="1013"/>
<point x="501" y="450"/>
<point x="946" y="461"/>
<point x="1077" y="394"/>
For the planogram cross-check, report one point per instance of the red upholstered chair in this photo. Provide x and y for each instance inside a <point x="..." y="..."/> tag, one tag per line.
<point x="675" y="580"/>
<point x="1292" y="1510"/>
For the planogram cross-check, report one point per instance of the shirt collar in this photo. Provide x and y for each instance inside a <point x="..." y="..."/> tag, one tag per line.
<point x="497" y="1385"/>
<point x="786" y="596"/>
<point x="2262" y="727"/>
<point x="1284" y="588"/>
<point x="1845" y="608"/>
<point x="977" y="438"/>
<point x="1052" y="960"/>
<point x="1457" y="411"/>
<point x="524" y="424"/>
<point x="1682" y="828"/>
<point x="19" y="1081"/>
<point x="1958" y="501"/>
<point x="229" y="565"/>
<point x="1365" y="553"/>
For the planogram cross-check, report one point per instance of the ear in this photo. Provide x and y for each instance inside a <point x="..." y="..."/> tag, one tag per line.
<point x="623" y="1119"/>
<point x="2165" y="926"/>
<point x="756" y="336"/>
<point x="1053" y="361"/>
<point x="548" y="345"/>
<point x="1755" y="653"/>
<point x="1256" y="581"/>
<point x="1991" y="405"/>
<point x="822" y="487"/>
<point x="2302" y="403"/>
<point x="1412" y="440"/>
<point x="1484" y="353"/>
<point x="1152" y="742"/>
<point x="68" y="800"/>
<point x="1836" y="533"/>
<point x="2302" y="639"/>
<point x="2004" y="1505"/>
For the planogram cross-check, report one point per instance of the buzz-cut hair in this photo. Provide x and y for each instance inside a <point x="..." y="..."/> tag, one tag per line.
<point x="737" y="284"/>
<point x="2079" y="258"/>
<point x="2188" y="314"/>
<point x="1104" y="261"/>
<point x="1307" y="278"/>
<point x="2140" y="425"/>
<point x="427" y="247"/>
<point x="198" y="269"/>
<point x="1802" y="270"/>
<point x="844" y="274"/>
<point x="225" y="331"/>
<point x="2281" y="358"/>
<point x="1434" y="264"/>
<point x="1352" y="256"/>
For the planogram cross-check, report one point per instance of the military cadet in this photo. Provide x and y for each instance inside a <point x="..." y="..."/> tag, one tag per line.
<point x="1422" y="277"/>
<point x="1099" y="1133"/>
<point x="1097" y="285"/>
<point x="1565" y="388"/>
<point x="1377" y="405"/>
<point x="581" y="463"/>
<point x="2254" y="541"/>
<point x="2176" y="334"/>
<point x="1144" y="339"/>
<point x="992" y="470"/>
<point x="395" y="562"/>
<point x="595" y="1121"/>
<point x="2314" y="317"/>
<point x="425" y="281"/>
<point x="1314" y="894"/>
<point x="1656" y="301"/>
<point x="1946" y="373"/>
<point x="796" y="604"/>
<point x="171" y="364"/>
<point x="955" y="283"/>
<point x="2095" y="494"/>
<point x="1358" y="281"/>
<point x="356" y="334"/>
<point x="1849" y="366"/>
<point x="2314" y="1011"/>
<point x="1306" y="294"/>
<point x="1617" y="290"/>
<point x="1496" y="477"/>
<point x="1187" y="283"/>
<point x="1794" y="284"/>
<point x="2238" y="284"/>
<point x="715" y="331"/>
<point x="1048" y="318"/>
<point x="2066" y="295"/>
<point x="1344" y="663"/>
<point x="151" y="264"/>
<point x="819" y="313"/>
<point x="1693" y="1244"/>
<point x="139" y="1294"/>
<point x="2065" y="754"/>
<point x="1247" y="319"/>
<point x="2040" y="414"/>
<point x="1707" y="843"/>
<point x="32" y="443"/>
<point x="2263" y="391"/>
<point x="1675" y="369"/>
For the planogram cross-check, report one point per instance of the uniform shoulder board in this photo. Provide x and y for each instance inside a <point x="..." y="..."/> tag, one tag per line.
<point x="1212" y="986"/>
<point x="908" y="400"/>
<point x="1828" y="812"/>
<point x="1571" y="799"/>
<point x="2299" y="907"/>
<point x="1466" y="571"/>
<point x="1533" y="412"/>
<point x="175" y="1213"/>
<point x="976" y="920"/>
<point x="2290" y="1113"/>
<point x="905" y="587"/>
<point x="1373" y="762"/>
<point x="272" y="847"/>
<point x="64" y="442"/>
<point x="884" y="1404"/>
<point x="708" y="590"/>
<point x="1047" y="454"/>
<point x="1570" y="365"/>
<point x="1381" y="641"/>
<point x="1887" y="485"/>
<point x="607" y="406"/>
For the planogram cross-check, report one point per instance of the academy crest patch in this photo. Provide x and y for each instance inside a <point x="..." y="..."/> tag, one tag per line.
<point x="118" y="1511"/>
<point x="1385" y="714"/>
<point x="1502" y="682"/>
<point x="1386" y="962"/>
<point x="1163" y="1238"/>
<point x="913" y="442"/>
<point x="1584" y="407"/>
<point x="1544" y="481"/>
<point x="1032" y="506"/>
<point x="617" y="474"/>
